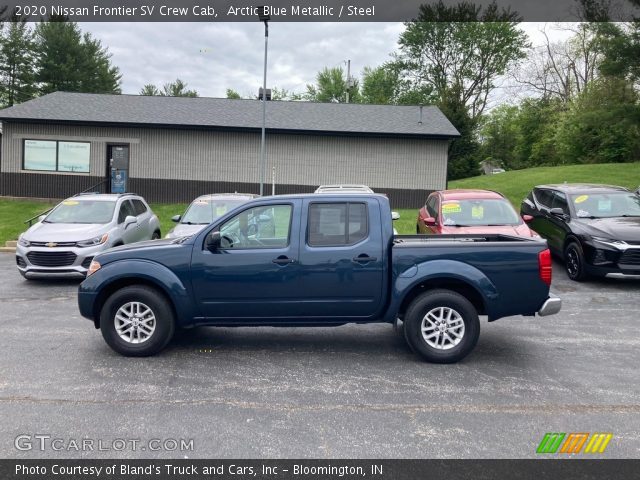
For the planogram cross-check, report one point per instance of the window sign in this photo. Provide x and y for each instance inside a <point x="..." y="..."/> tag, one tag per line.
<point x="39" y="155"/>
<point x="73" y="157"/>
<point x="52" y="155"/>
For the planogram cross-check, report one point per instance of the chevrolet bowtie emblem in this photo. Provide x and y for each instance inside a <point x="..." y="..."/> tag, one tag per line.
<point x="51" y="244"/>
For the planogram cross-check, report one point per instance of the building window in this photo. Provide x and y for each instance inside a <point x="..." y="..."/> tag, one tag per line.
<point x="57" y="156"/>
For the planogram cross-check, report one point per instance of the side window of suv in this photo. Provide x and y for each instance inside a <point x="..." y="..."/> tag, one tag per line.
<point x="138" y="206"/>
<point x="336" y="224"/>
<point x="560" y="201"/>
<point x="126" y="209"/>
<point x="544" y="197"/>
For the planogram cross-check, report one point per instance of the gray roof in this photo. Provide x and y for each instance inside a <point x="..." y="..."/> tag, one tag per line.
<point x="138" y="110"/>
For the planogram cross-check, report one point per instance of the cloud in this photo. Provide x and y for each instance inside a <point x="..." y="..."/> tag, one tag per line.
<point x="211" y="57"/>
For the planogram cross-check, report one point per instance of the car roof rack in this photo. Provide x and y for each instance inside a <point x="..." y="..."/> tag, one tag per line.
<point x="100" y="193"/>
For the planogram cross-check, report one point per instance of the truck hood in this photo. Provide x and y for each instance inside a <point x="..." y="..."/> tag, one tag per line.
<point x="618" y="228"/>
<point x="64" y="232"/>
<point x="521" y="230"/>
<point x="145" y="245"/>
<point x="184" y="229"/>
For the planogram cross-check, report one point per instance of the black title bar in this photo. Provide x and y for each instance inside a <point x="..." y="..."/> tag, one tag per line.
<point x="308" y="10"/>
<point x="316" y="469"/>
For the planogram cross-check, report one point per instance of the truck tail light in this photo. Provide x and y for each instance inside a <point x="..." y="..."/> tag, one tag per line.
<point x="544" y="266"/>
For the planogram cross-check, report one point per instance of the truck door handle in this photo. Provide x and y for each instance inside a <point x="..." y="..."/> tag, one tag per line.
<point x="363" y="258"/>
<point x="283" y="260"/>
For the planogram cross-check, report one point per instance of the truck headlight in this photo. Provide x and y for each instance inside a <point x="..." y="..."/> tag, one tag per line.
<point x="92" y="242"/>
<point x="94" y="266"/>
<point x="23" y="241"/>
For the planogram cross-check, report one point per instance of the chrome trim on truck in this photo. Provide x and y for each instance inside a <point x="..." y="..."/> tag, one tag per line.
<point x="550" y="307"/>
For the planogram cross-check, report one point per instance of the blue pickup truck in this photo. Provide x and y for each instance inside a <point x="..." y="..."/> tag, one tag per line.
<point x="319" y="261"/>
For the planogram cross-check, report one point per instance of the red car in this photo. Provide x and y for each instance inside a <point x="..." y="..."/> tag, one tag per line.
<point x="471" y="211"/>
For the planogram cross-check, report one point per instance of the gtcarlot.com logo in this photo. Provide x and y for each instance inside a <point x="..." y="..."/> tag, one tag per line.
<point x="44" y="442"/>
<point x="573" y="443"/>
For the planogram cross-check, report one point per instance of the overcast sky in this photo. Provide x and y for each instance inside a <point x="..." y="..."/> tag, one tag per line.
<point x="211" y="57"/>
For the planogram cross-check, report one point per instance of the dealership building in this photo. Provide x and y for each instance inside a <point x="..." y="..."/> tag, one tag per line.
<point x="172" y="149"/>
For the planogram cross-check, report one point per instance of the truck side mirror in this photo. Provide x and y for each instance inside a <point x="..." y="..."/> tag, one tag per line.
<point x="527" y="218"/>
<point x="213" y="241"/>
<point x="176" y="218"/>
<point x="430" y="221"/>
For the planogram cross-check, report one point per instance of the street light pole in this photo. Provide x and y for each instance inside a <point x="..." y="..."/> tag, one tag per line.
<point x="262" y="15"/>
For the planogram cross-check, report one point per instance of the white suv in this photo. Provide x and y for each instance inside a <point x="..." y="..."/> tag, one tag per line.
<point x="64" y="241"/>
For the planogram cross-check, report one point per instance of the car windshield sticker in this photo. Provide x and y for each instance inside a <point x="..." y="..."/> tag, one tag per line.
<point x="221" y="210"/>
<point x="477" y="211"/>
<point x="449" y="221"/>
<point x="580" y="198"/>
<point x="451" y="208"/>
<point x="604" y="205"/>
<point x="583" y="213"/>
<point x="71" y="202"/>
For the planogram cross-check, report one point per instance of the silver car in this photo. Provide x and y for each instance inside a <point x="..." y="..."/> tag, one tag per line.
<point x="204" y="210"/>
<point x="64" y="241"/>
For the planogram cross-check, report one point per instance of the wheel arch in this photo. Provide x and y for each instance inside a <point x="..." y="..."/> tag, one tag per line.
<point x="444" y="283"/>
<point x="110" y="288"/>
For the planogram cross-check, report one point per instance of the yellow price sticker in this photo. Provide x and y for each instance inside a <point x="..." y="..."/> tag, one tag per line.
<point x="71" y="202"/>
<point x="581" y="199"/>
<point x="451" y="208"/>
<point x="477" y="211"/>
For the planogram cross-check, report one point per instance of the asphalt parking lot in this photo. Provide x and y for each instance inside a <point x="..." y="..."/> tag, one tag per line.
<point x="351" y="392"/>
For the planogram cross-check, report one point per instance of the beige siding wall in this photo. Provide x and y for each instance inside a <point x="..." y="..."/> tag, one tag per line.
<point x="233" y="156"/>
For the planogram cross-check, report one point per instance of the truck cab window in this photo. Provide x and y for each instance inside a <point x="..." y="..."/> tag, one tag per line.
<point x="258" y="227"/>
<point x="335" y="224"/>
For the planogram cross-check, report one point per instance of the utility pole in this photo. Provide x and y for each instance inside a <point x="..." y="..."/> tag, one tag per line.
<point x="348" y="78"/>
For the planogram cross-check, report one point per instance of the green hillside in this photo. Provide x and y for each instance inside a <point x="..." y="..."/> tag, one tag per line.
<point x="516" y="184"/>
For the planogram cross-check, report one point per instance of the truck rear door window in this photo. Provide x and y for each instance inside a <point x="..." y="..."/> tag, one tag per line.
<point x="335" y="224"/>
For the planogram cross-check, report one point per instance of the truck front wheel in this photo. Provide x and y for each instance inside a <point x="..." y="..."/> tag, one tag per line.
<point x="441" y="326"/>
<point x="137" y="321"/>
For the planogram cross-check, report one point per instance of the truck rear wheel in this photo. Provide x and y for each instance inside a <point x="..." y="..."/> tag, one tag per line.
<point x="441" y="326"/>
<point x="137" y="321"/>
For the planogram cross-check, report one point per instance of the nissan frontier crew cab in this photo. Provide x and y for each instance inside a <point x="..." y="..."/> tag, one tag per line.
<point x="328" y="261"/>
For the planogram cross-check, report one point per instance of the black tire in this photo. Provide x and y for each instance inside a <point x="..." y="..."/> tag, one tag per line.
<point x="161" y="310"/>
<point x="574" y="262"/>
<point x="156" y="235"/>
<point x="434" y="300"/>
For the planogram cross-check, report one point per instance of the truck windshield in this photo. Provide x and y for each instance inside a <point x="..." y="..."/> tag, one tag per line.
<point x="472" y="212"/>
<point x="603" y="205"/>
<point x="203" y="212"/>
<point x="82" y="211"/>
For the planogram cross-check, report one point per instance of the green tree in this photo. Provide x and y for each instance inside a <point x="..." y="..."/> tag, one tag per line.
<point x="149" y="90"/>
<point x="462" y="49"/>
<point x="71" y="62"/>
<point x="17" y="63"/>
<point x="332" y="86"/>
<point x="178" y="88"/>
<point x="380" y="85"/>
<point x="453" y="56"/>
<point x="602" y="125"/>
<point x="621" y="45"/>
<point x="233" y="94"/>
